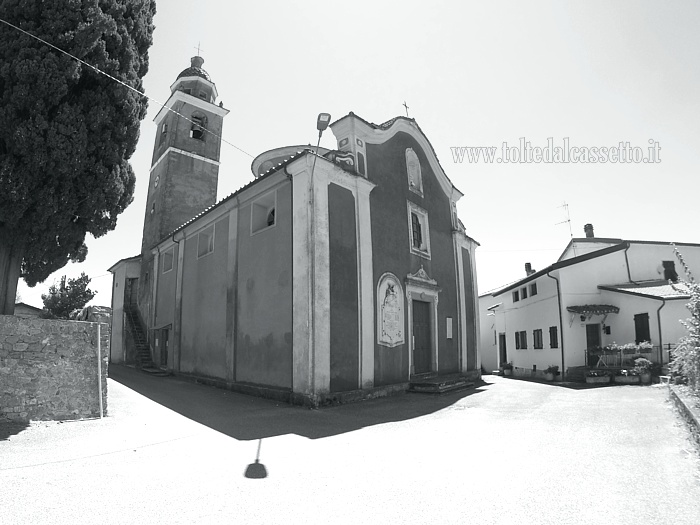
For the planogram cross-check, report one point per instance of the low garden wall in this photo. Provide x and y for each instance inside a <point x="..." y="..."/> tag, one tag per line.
<point x="50" y="369"/>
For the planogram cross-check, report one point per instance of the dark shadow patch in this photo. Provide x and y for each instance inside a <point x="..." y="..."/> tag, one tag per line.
<point x="248" y="418"/>
<point x="11" y="428"/>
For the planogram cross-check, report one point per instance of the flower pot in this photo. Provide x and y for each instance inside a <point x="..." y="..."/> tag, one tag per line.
<point x="507" y="372"/>
<point x="598" y="380"/>
<point x="645" y="378"/>
<point x="549" y="376"/>
<point x="627" y="380"/>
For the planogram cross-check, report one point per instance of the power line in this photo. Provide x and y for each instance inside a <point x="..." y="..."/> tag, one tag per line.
<point x="122" y="83"/>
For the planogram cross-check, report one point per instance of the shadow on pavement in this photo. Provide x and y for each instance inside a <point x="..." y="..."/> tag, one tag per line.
<point x="11" y="428"/>
<point x="247" y="418"/>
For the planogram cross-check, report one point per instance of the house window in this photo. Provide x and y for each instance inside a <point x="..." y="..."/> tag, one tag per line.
<point x="263" y="213"/>
<point x="670" y="271"/>
<point x="516" y="296"/>
<point x="523" y="292"/>
<point x="523" y="340"/>
<point x="168" y="261"/>
<point x="199" y="127"/>
<point x="553" y="337"/>
<point x="203" y="95"/>
<point x="205" y="242"/>
<point x="413" y="170"/>
<point x="533" y="289"/>
<point x="419" y="230"/>
<point x="641" y="328"/>
<point x="537" y="338"/>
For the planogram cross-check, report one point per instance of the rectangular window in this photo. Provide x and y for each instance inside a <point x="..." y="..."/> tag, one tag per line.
<point x="517" y="340"/>
<point x="205" y="242"/>
<point x="168" y="261"/>
<point x="533" y="289"/>
<point x="163" y="133"/>
<point x="198" y="127"/>
<point x="537" y="338"/>
<point x="523" y="340"/>
<point x="670" y="271"/>
<point x="516" y="296"/>
<point x="553" y="337"/>
<point x="641" y="328"/>
<point x="419" y="230"/>
<point x="523" y="293"/>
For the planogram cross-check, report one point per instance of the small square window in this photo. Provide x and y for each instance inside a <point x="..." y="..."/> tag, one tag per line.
<point x="263" y="213"/>
<point x="533" y="289"/>
<point x="205" y="242"/>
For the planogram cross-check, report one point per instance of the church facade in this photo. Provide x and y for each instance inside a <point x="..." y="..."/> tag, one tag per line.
<point x="331" y="271"/>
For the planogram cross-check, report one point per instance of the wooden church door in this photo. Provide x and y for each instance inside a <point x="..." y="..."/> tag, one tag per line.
<point x="421" y="337"/>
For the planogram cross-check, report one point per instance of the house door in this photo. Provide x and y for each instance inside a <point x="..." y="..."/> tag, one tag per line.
<point x="164" y="344"/>
<point x="592" y="341"/>
<point x="502" y="354"/>
<point x="641" y="328"/>
<point x="131" y="291"/>
<point x="421" y="337"/>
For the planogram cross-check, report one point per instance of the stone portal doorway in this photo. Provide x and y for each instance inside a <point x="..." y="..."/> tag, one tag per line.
<point x="422" y="350"/>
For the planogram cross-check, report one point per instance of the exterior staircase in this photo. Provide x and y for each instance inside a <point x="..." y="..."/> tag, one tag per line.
<point x="432" y="383"/>
<point x="143" y="350"/>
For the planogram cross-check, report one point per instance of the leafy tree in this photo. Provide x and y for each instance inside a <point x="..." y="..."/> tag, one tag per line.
<point x="67" y="131"/>
<point x="63" y="299"/>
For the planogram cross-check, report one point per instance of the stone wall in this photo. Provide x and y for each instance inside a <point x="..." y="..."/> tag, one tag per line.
<point x="49" y="369"/>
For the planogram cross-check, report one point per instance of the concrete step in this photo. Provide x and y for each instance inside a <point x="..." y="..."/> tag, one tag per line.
<point x="439" y="385"/>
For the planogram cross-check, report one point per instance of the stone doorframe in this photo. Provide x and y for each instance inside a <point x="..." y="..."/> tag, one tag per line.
<point x="420" y="287"/>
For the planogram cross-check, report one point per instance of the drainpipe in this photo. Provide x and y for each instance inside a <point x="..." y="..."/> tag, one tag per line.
<point x="561" y="324"/>
<point x="627" y="264"/>
<point x="661" y="341"/>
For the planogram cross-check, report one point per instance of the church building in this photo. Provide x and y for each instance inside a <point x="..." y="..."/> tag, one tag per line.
<point x="331" y="271"/>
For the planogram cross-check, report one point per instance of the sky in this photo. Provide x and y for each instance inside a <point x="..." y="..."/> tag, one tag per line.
<point x="473" y="74"/>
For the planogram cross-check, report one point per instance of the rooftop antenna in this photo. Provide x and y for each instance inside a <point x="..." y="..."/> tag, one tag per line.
<point x="567" y="221"/>
<point x="406" y="106"/>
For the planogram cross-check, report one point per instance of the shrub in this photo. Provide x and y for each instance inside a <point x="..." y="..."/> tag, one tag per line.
<point x="686" y="356"/>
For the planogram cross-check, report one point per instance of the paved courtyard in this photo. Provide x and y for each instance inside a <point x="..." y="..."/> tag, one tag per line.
<point x="506" y="452"/>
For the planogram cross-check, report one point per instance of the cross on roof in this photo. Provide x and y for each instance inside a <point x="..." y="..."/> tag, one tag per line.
<point x="198" y="49"/>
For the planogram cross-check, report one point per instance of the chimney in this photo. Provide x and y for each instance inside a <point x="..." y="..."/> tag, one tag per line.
<point x="528" y="269"/>
<point x="588" y="228"/>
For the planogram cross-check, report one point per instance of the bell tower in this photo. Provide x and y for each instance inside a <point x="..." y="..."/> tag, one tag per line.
<point x="184" y="167"/>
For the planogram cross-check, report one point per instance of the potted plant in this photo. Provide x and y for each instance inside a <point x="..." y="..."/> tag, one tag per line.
<point x="550" y="372"/>
<point x="597" y="377"/>
<point x="643" y="367"/>
<point x="627" y="376"/>
<point x="508" y="369"/>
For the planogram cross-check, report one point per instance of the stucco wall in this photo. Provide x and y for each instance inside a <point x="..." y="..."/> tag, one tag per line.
<point x="391" y="247"/>
<point x="203" y="344"/>
<point x="49" y="369"/>
<point x="263" y="351"/>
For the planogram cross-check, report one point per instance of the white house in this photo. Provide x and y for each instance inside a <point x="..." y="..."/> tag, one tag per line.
<point x="599" y="292"/>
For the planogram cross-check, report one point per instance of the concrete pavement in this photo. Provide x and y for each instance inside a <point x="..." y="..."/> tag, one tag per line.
<point x="509" y="451"/>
